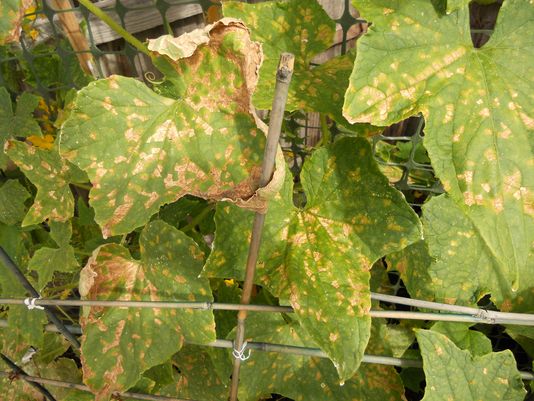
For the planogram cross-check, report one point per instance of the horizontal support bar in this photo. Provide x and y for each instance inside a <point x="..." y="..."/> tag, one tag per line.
<point x="291" y="349"/>
<point x="459" y="313"/>
<point x="82" y="387"/>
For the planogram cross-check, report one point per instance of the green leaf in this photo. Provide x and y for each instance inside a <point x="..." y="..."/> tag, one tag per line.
<point x="11" y="14"/>
<point x="18" y="124"/>
<point x="454" y="374"/>
<point x="54" y="345"/>
<point x="46" y="260"/>
<point x="65" y="369"/>
<point x="305" y="378"/>
<point x="464" y="338"/>
<point x="161" y="374"/>
<point x="477" y="103"/>
<point x="51" y="175"/>
<point x="142" y="150"/>
<point x="319" y="257"/>
<point x="15" y="243"/>
<point x="197" y="379"/>
<point x="119" y="344"/>
<point x="12" y="198"/>
<point x="304" y="29"/>
<point x="413" y="263"/>
<point x="21" y="123"/>
<point x="453" y="5"/>
<point x="25" y="327"/>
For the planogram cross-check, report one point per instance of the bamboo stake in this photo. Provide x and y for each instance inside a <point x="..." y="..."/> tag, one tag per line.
<point x="283" y="79"/>
<point x="73" y="32"/>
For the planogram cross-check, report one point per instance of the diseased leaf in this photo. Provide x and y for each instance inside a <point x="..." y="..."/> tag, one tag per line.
<point x="304" y="378"/>
<point x="477" y="105"/>
<point x="12" y="198"/>
<point x="51" y="175"/>
<point x="454" y="374"/>
<point x="319" y="257"/>
<point x="119" y="344"/>
<point x="465" y="269"/>
<point x="197" y="379"/>
<point x="142" y="150"/>
<point x="304" y="29"/>
<point x="11" y="14"/>
<point x="464" y="338"/>
<point x="17" y="390"/>
<point x="46" y="260"/>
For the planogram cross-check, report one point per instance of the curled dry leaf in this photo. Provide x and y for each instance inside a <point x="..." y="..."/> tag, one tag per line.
<point x="11" y="15"/>
<point x="142" y="150"/>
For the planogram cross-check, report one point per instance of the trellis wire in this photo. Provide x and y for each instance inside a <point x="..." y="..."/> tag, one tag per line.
<point x="465" y="315"/>
<point x="82" y="387"/>
<point x="18" y="370"/>
<point x="291" y="349"/>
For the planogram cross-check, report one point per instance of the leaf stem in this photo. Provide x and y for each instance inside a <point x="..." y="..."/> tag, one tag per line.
<point x="128" y="37"/>
<point x="83" y="186"/>
<point x="326" y="136"/>
<point x="198" y="218"/>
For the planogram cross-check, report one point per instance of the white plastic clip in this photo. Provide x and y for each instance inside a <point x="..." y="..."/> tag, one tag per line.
<point x="30" y="304"/>
<point x="240" y="354"/>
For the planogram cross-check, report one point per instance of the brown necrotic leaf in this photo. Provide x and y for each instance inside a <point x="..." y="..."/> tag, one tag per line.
<point x="11" y="15"/>
<point x="142" y="150"/>
<point x="119" y="344"/>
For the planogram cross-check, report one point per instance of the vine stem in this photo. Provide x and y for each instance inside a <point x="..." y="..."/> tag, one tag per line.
<point x="88" y="187"/>
<point x="127" y="36"/>
<point x="326" y="137"/>
<point x="283" y="79"/>
<point x="198" y="218"/>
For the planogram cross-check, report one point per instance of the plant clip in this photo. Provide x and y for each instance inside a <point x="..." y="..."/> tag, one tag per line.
<point x="240" y="354"/>
<point x="30" y="304"/>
